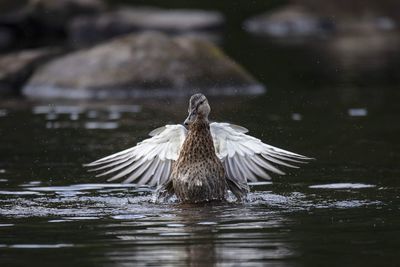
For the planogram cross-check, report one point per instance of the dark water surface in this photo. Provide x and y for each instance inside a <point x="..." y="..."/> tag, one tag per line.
<point x="343" y="209"/>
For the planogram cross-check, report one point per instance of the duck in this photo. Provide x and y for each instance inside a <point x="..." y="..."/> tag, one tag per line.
<point x="197" y="161"/>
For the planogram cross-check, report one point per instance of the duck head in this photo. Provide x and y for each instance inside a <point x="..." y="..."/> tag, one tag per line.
<point x="198" y="108"/>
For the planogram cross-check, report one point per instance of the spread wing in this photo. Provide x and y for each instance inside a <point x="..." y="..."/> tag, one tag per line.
<point x="149" y="162"/>
<point x="246" y="158"/>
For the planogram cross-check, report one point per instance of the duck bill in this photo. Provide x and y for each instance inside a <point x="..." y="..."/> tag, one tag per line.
<point x="189" y="119"/>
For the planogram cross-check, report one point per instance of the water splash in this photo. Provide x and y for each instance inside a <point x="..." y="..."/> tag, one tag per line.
<point x="130" y="202"/>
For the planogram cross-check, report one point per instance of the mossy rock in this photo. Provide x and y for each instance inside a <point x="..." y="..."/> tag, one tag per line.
<point x="147" y="64"/>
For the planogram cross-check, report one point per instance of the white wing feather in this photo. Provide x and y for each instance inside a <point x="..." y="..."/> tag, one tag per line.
<point x="246" y="158"/>
<point x="149" y="162"/>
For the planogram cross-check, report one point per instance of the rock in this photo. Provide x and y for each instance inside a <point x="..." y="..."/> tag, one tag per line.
<point x="92" y="29"/>
<point x="15" y="68"/>
<point x="367" y="24"/>
<point x="289" y="21"/>
<point x="300" y="21"/>
<point x="140" y="65"/>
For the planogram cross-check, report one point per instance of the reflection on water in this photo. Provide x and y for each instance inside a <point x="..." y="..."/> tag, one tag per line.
<point x="77" y="116"/>
<point x="342" y="186"/>
<point x="126" y="227"/>
<point x="363" y="51"/>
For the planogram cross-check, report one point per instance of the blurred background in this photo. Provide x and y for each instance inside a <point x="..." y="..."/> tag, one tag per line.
<point x="334" y="42"/>
<point x="81" y="79"/>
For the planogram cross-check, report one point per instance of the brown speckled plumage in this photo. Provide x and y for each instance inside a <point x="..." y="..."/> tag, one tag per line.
<point x="198" y="174"/>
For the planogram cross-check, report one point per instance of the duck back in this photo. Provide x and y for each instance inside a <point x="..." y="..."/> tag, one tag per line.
<point x="198" y="175"/>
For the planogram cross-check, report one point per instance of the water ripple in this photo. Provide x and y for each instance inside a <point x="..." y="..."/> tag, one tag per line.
<point x="127" y="202"/>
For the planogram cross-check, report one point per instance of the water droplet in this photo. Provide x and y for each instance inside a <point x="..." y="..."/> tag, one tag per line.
<point x="297" y="117"/>
<point x="358" y="112"/>
<point x="3" y="112"/>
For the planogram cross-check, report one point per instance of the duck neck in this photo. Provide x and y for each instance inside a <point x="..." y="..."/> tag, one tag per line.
<point x="200" y="125"/>
<point x="198" y="144"/>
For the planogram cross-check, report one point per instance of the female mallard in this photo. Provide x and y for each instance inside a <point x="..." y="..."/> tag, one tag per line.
<point x="199" y="164"/>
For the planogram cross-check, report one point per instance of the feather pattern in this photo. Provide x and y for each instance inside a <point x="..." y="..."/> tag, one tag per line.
<point x="246" y="158"/>
<point x="149" y="162"/>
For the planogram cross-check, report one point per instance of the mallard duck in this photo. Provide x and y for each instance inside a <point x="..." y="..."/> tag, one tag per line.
<point x="198" y="161"/>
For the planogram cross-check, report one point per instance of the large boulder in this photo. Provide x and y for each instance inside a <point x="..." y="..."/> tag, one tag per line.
<point x="137" y="65"/>
<point x="289" y="21"/>
<point x="92" y="29"/>
<point x="15" y="68"/>
<point x="315" y="20"/>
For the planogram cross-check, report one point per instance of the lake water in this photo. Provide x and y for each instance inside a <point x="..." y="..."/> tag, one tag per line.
<point x="323" y="101"/>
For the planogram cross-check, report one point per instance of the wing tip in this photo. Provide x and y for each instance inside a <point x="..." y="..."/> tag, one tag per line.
<point x="88" y="165"/>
